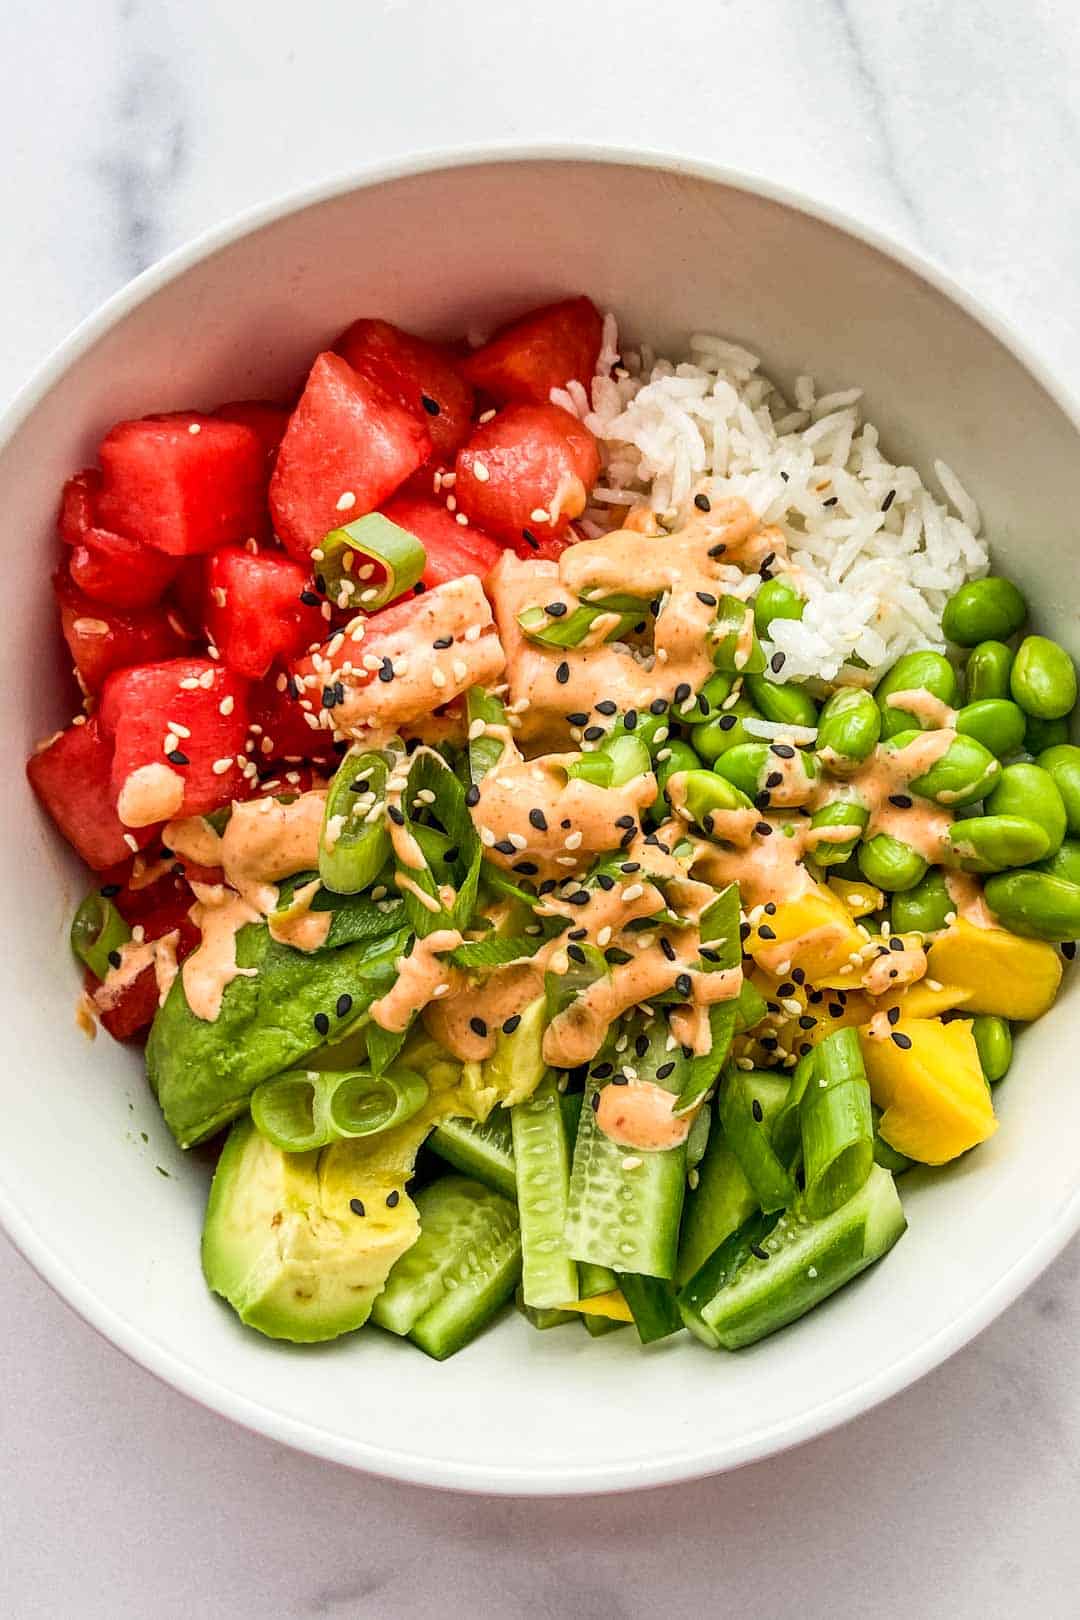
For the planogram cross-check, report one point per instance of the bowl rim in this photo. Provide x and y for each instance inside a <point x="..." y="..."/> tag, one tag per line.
<point x="398" y="1463"/>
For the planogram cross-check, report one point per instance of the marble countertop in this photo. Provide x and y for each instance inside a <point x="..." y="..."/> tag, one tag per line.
<point x="130" y="125"/>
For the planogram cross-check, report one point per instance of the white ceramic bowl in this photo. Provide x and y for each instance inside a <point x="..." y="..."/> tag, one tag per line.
<point x="438" y="246"/>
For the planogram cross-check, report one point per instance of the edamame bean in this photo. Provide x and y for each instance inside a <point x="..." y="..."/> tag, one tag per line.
<point x="928" y="672"/>
<point x="715" y="737"/>
<point x="987" y="672"/>
<point x="681" y="758"/>
<point x="735" y="643"/>
<point x="994" y="843"/>
<point x="1063" y="763"/>
<point x="993" y="1039"/>
<point x="1039" y="735"/>
<point x="710" y="700"/>
<point x="995" y="722"/>
<point x="1029" y="791"/>
<point x="983" y="609"/>
<point x="777" y="599"/>
<point x="923" y="909"/>
<point x="960" y="776"/>
<point x="848" y="730"/>
<point x="827" y="851"/>
<point x="1065" y="862"/>
<point x="1043" y="679"/>
<point x="789" y="705"/>
<point x="1036" y="905"/>
<point x="890" y="865"/>
<point x="703" y="794"/>
<point x="757" y="770"/>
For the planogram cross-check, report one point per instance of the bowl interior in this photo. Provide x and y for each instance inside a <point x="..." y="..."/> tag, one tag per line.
<point x="90" y="1183"/>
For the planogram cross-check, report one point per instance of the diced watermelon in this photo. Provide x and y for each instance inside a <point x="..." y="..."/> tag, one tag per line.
<point x="103" y="638"/>
<point x="452" y="549"/>
<point x="347" y="448"/>
<point x="256" y="609"/>
<point x="543" y="350"/>
<point x="71" y="777"/>
<point x="111" y="568"/>
<point x="183" y="698"/>
<point x="77" y="505"/>
<point x="159" y="909"/>
<point x="265" y="419"/>
<point x="185" y="482"/>
<point x="537" y="464"/>
<point x="421" y="376"/>
<point x="282" y="727"/>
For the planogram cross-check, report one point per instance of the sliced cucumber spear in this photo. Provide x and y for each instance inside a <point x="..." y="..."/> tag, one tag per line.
<point x="542" y="1165"/>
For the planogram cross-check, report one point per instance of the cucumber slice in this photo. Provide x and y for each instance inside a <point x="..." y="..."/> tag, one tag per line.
<point x="593" y="1280"/>
<point x="542" y="1163"/>
<point x="459" y="1219"/>
<point x="653" y="1306"/>
<point x="480" y="1282"/>
<point x="597" y="1327"/>
<point x="484" y="1151"/>
<point x="723" y="1198"/>
<point x="542" y="1320"/>
<point x="805" y="1261"/>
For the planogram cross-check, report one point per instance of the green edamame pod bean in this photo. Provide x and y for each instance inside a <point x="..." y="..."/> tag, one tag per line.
<point x="962" y="774"/>
<point x="890" y="865"/>
<point x="1036" y="905"/>
<point x="1029" y="791"/>
<point x="1039" y="735"/>
<point x="735" y="643"/>
<point x="715" y="737"/>
<point x="848" y="730"/>
<point x="994" y="843"/>
<point x="708" y="704"/>
<point x="756" y="768"/>
<point x="993" y="1039"/>
<point x="828" y="850"/>
<point x="1043" y="679"/>
<point x="988" y="670"/>
<point x="995" y="722"/>
<point x="681" y="758"/>
<point x="983" y="609"/>
<point x="789" y="705"/>
<point x="1065" y="862"/>
<point x="928" y="672"/>
<point x="777" y="599"/>
<point x="923" y="909"/>
<point x="1063" y="763"/>
<point x="704" y="794"/>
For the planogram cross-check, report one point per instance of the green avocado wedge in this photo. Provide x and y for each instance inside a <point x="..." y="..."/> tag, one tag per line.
<point x="301" y="1244"/>
<point x="203" y="1073"/>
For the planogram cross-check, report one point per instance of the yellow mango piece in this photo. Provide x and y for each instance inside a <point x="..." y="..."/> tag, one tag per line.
<point x="814" y="932"/>
<point x="920" y="1001"/>
<point x="860" y="899"/>
<point x="611" y="1304"/>
<point x="784" y="1027"/>
<point x="1005" y="975"/>
<point x="936" y="1104"/>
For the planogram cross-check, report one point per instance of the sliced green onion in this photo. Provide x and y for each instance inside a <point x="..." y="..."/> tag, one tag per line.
<point x="97" y="929"/>
<point x="615" y="762"/>
<point x="484" y="752"/>
<point x="361" y="1104"/>
<point x="748" y="1138"/>
<point x="718" y="1270"/>
<point x="349" y="551"/>
<point x="353" y="849"/>
<point x="574" y="627"/>
<point x="718" y="930"/>
<point x="787" y="1129"/>
<point x="837" y="1125"/>
<point x="750" y="1007"/>
<point x="288" y="1112"/>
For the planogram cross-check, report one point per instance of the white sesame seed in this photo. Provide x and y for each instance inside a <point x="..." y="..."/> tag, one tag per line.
<point x="461" y="669"/>
<point x="206" y="679"/>
<point x="462" y="519"/>
<point x="369" y="595"/>
<point x="572" y="840"/>
<point x="131" y="842"/>
<point x="193" y="427"/>
<point x="438" y="678"/>
<point x="565" y="860"/>
<point x="473" y="633"/>
<point x="345" y="500"/>
<point x="487" y="837"/>
<point x="190" y="684"/>
<point x="790" y="1005"/>
<point x="480" y="472"/>
<point x="91" y="627"/>
<point x="632" y="1162"/>
<point x="518" y="841"/>
<point x="451" y="503"/>
<point x="604" y="937"/>
<point x="692" y="1179"/>
<point x="485" y="416"/>
<point x="220" y="595"/>
<point x="220" y="766"/>
<point x="539" y="515"/>
<point x="449" y="479"/>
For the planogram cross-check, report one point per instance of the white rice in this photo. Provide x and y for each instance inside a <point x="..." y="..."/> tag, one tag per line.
<point x="874" y="552"/>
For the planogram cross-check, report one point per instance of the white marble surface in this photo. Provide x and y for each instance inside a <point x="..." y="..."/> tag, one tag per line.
<point x="129" y="125"/>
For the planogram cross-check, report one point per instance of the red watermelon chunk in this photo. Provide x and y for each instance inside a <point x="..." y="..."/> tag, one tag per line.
<point x="72" y="778"/>
<point x="102" y="638"/>
<point x="347" y="447"/>
<point x="184" y="483"/>
<point x="543" y="350"/>
<point x="420" y="376"/>
<point x="265" y="419"/>
<point x="279" y="726"/>
<point x="259" y="606"/>
<point x="111" y="568"/>
<point x="77" y="505"/>
<point x="452" y="549"/>
<point x="179" y="703"/>
<point x="525" y="474"/>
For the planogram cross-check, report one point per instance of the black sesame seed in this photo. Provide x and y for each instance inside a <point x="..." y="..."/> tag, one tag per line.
<point x="320" y="583"/>
<point x="177" y="758"/>
<point x="766" y="932"/>
<point x="717" y="551"/>
<point x="291" y="687"/>
<point x="836" y="1009"/>
<point x="107" y="890"/>
<point x="727" y="721"/>
<point x="555" y="610"/>
<point x="816" y="997"/>
<point x="776" y="662"/>
<point x="1068" y="948"/>
<point x="641" y="1045"/>
<point x="309" y="599"/>
<point x="511" y="1024"/>
<point x="887" y="502"/>
<point x="757" y="1110"/>
<point x="605" y="706"/>
<point x="896" y="943"/>
<point x="658" y="706"/>
<point x="758" y="1252"/>
<point x="807" y="1021"/>
<point x="745" y="930"/>
<point x="593" y="733"/>
<point x="344" y="1005"/>
<point x="799" y="975"/>
<point x="450" y="855"/>
<point x="602" y="1071"/>
<point x="595" y="1101"/>
<point x="770" y="908"/>
<point x="478" y="1027"/>
<point x="430" y="405"/>
<point x="443" y="643"/>
<point x="774" y="779"/>
<point x="530" y="539"/>
<point x="785" y="989"/>
<point x="832" y="500"/>
<point x="329" y="697"/>
<point x="339" y="691"/>
<point x="902" y="1041"/>
<point x="526" y="868"/>
<point x="763" y="829"/>
<point x="703" y="503"/>
<point x="397" y="816"/>
<point x="578" y="933"/>
<point x="682" y="692"/>
<point x="782" y="750"/>
<point x="504" y="846"/>
<point x="625" y="821"/>
<point x="902" y="801"/>
<point x="768" y="1043"/>
<point x="664" y="1070"/>
<point x="115" y="959"/>
<point x="356" y="1206"/>
<point x="683" y="985"/>
<point x="805" y="1048"/>
<point x="386" y="671"/>
<point x="706" y="597"/>
<point x="538" y="820"/>
<point x="893" y="1015"/>
<point x="562" y="674"/>
<point x="472" y="795"/>
<point x="579" y="898"/>
<point x="621" y="1080"/>
<point x="419" y="588"/>
<point x="630" y="720"/>
<point x="668" y="948"/>
<point x="392" y="1199"/>
<point x="630" y="866"/>
<point x="576" y="954"/>
<point x="709" y="954"/>
<point x="322" y="1024"/>
<point x="605" y="880"/>
<point x="627" y="838"/>
<point x="565" y="823"/>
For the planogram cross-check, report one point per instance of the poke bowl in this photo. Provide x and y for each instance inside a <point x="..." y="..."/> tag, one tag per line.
<point x="568" y="797"/>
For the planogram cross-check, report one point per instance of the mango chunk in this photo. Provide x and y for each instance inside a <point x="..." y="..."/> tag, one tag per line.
<point x="1005" y="975"/>
<point x="936" y="1104"/>
<point x="611" y="1304"/>
<point x="860" y="898"/>
<point x="814" y="932"/>
<point x="921" y="1001"/>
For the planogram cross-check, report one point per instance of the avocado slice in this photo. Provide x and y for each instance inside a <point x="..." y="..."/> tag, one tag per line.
<point x="301" y="1244"/>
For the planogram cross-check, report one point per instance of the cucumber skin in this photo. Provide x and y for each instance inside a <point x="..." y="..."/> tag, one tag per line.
<point x="723" y="1198"/>
<point x="542" y="1164"/>
<point x="418" y="1280"/>
<point x="766" y="1295"/>
<point x="456" y="1319"/>
<point x="484" y="1152"/>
